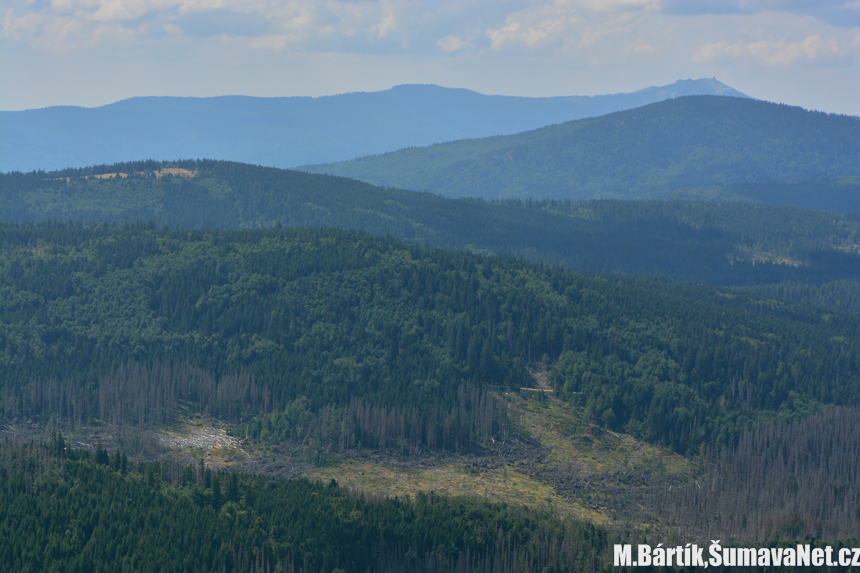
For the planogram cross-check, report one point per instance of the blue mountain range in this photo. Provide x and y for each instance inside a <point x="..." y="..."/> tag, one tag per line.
<point x="293" y="131"/>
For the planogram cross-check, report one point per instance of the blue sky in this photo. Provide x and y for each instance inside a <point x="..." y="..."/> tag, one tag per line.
<point x="94" y="52"/>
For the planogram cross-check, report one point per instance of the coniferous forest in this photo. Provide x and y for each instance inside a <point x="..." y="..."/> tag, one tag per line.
<point x="678" y="143"/>
<point x="123" y="323"/>
<point x="338" y="342"/>
<point x="212" y="366"/>
<point x="720" y="243"/>
<point x="79" y="511"/>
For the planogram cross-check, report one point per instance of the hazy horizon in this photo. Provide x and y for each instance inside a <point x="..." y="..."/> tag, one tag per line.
<point x="333" y="95"/>
<point x="95" y="52"/>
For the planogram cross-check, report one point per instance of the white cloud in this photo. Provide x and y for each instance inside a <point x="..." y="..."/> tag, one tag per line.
<point x="275" y="43"/>
<point x="17" y="27"/>
<point x="592" y="31"/>
<point x="384" y="27"/>
<point x="748" y="6"/>
<point x="772" y="52"/>
<point x="532" y="28"/>
<point x="452" y="43"/>
<point x="132" y="9"/>
<point x="613" y="5"/>
<point x="644" y="49"/>
<point x="627" y="43"/>
<point x="841" y="13"/>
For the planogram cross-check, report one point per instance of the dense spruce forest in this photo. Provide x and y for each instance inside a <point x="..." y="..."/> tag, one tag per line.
<point x="362" y="341"/>
<point x="728" y="244"/>
<point x="658" y="148"/>
<point x="137" y="297"/>
<point x="78" y="511"/>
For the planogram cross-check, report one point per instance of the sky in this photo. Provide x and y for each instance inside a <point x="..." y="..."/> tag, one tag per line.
<point x="95" y="52"/>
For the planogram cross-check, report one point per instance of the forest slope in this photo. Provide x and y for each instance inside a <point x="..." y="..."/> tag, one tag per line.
<point x="367" y="341"/>
<point x="716" y="243"/>
<point x="680" y="143"/>
<point x="396" y="368"/>
<point x="68" y="510"/>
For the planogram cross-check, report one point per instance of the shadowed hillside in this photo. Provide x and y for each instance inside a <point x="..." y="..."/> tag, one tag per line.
<point x="718" y="243"/>
<point x="685" y="142"/>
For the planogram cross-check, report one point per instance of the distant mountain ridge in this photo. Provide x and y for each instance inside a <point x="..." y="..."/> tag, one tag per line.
<point x="291" y="131"/>
<point x="685" y="142"/>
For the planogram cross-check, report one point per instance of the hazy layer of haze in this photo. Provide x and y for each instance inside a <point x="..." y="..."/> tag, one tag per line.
<point x="94" y="52"/>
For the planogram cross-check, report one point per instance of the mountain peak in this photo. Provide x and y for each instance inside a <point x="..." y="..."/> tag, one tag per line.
<point x="701" y="86"/>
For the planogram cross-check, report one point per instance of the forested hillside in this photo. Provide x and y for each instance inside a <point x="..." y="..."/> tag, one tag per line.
<point x="77" y="511"/>
<point x="291" y="131"/>
<point x="206" y="294"/>
<point x="71" y="510"/>
<point x="367" y="342"/>
<point x="716" y="243"/>
<point x="323" y="350"/>
<point x="675" y="144"/>
<point x="836" y="194"/>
